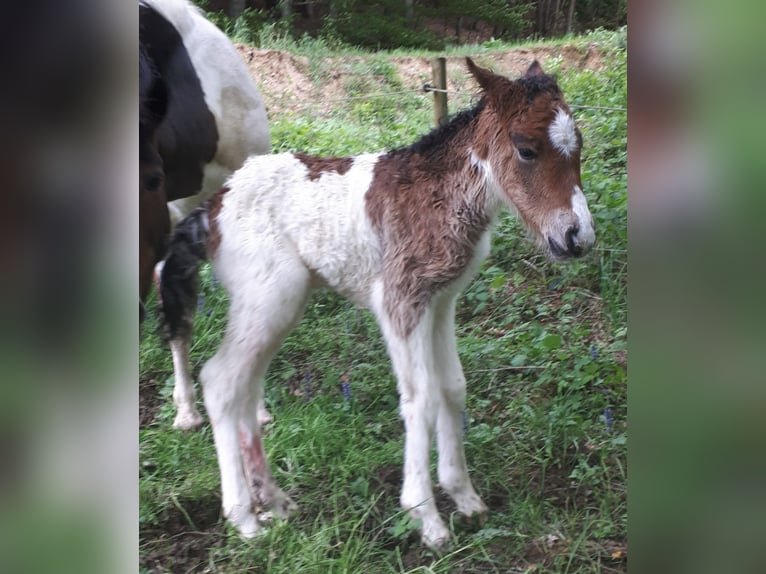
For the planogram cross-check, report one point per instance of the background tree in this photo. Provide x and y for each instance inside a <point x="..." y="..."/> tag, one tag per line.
<point x="430" y="24"/>
<point x="236" y="7"/>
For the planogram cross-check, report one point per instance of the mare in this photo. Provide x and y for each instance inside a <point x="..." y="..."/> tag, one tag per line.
<point x="400" y="233"/>
<point x="200" y="117"/>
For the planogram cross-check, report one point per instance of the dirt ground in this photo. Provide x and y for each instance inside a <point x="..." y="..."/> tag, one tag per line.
<point x="286" y="80"/>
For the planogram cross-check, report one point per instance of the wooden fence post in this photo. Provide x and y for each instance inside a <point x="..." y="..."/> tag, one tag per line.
<point x="439" y="79"/>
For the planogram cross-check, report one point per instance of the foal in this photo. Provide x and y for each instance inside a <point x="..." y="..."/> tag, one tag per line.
<point x="401" y="233"/>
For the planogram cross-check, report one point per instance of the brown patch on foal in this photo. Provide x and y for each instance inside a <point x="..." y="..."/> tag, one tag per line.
<point x="213" y="209"/>
<point x="428" y="224"/>
<point x="319" y="165"/>
<point x="429" y="204"/>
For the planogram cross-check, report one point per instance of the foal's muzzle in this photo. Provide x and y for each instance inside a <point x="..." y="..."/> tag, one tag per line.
<point x="574" y="244"/>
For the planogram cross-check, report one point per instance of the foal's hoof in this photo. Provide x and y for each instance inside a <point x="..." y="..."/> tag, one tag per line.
<point x="470" y="505"/>
<point x="283" y="506"/>
<point x="264" y="417"/>
<point x="474" y="521"/>
<point x="187" y="421"/>
<point x="275" y="504"/>
<point x="476" y="516"/>
<point x="255" y="520"/>
<point x="247" y="525"/>
<point x="436" y="537"/>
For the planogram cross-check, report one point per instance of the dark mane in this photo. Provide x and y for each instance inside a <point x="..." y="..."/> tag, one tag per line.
<point x="152" y="92"/>
<point x="146" y="74"/>
<point x="536" y="85"/>
<point x="437" y="139"/>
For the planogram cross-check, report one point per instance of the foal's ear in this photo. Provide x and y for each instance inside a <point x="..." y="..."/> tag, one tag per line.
<point x="535" y="69"/>
<point x="489" y="81"/>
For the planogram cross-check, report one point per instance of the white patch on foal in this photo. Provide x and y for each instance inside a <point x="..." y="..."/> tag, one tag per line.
<point x="578" y="216"/>
<point x="587" y="235"/>
<point x="495" y="196"/>
<point x="562" y="133"/>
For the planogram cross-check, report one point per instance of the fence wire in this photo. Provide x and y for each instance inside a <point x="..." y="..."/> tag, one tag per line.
<point x="423" y="92"/>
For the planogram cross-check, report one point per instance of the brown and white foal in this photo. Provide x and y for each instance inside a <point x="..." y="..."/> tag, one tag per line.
<point x="401" y="233"/>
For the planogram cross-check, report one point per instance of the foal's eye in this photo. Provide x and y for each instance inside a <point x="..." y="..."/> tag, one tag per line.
<point x="527" y="154"/>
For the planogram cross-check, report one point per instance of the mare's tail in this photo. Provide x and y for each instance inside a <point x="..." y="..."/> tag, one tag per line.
<point x="179" y="275"/>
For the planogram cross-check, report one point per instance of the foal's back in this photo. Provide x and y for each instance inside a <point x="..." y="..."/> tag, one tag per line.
<point x="296" y="206"/>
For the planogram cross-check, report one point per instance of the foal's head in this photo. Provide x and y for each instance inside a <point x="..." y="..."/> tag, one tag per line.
<point x="528" y="145"/>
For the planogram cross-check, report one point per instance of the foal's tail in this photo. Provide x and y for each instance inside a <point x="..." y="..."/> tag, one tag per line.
<point x="179" y="276"/>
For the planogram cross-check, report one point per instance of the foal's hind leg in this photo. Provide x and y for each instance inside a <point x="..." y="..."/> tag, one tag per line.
<point x="262" y="313"/>
<point x="453" y="471"/>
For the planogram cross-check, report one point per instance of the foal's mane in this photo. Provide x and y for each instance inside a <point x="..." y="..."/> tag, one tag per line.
<point x="542" y="83"/>
<point x="438" y="139"/>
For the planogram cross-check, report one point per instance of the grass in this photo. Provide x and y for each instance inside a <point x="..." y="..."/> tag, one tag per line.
<point x="543" y="346"/>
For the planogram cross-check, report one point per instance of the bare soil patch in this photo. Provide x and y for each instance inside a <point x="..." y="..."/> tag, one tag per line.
<point x="287" y="81"/>
<point x="176" y="546"/>
<point x="149" y="400"/>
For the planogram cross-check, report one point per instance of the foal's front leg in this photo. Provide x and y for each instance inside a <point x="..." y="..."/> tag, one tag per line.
<point x="412" y="358"/>
<point x="184" y="396"/>
<point x="453" y="470"/>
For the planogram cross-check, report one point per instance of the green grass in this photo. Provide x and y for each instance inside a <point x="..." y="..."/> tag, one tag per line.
<point x="543" y="347"/>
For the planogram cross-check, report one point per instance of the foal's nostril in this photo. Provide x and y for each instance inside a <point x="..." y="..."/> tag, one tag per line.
<point x="571" y="233"/>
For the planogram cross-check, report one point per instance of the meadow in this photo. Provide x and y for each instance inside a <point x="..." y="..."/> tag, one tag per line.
<point x="543" y="346"/>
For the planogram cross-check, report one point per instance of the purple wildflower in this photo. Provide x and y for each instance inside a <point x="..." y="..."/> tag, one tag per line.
<point x="593" y="352"/>
<point x="345" y="388"/>
<point x="608" y="419"/>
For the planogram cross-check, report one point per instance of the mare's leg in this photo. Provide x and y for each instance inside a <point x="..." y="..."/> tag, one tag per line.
<point x="413" y="362"/>
<point x="266" y="303"/>
<point x="453" y="471"/>
<point x="184" y="396"/>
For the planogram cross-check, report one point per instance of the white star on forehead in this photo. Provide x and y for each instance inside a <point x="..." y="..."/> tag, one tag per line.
<point x="562" y="133"/>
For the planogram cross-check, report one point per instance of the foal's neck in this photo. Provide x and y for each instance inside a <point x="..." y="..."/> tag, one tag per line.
<point x="452" y="173"/>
